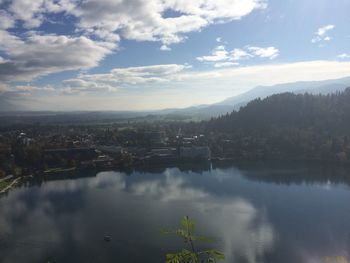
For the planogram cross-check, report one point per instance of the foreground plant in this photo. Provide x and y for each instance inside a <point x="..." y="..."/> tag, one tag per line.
<point x="191" y="255"/>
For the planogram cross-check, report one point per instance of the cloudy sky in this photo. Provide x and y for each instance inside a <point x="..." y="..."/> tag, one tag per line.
<point x="153" y="54"/>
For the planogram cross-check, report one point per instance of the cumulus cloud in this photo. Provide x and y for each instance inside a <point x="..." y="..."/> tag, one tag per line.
<point x="30" y="12"/>
<point x="269" y="52"/>
<point x="218" y="54"/>
<point x="6" y="20"/>
<point x="136" y="19"/>
<point x="38" y="54"/>
<point x="123" y="77"/>
<point x="34" y="12"/>
<point x="223" y="58"/>
<point x="146" y="20"/>
<point x="98" y="26"/>
<point x="239" y="54"/>
<point x="321" y="35"/>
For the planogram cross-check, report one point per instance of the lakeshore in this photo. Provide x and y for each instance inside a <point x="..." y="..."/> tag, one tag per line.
<point x="6" y="185"/>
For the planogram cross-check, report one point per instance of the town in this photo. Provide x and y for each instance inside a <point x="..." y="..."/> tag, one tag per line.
<point x="37" y="150"/>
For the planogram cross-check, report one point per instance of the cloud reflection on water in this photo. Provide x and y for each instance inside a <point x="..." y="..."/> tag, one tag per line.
<point x="38" y="214"/>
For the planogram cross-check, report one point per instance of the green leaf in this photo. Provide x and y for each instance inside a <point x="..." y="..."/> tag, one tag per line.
<point x="187" y="223"/>
<point x="186" y="256"/>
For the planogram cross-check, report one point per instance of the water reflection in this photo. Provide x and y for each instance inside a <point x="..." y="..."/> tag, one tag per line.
<point x="65" y="220"/>
<point x="244" y="231"/>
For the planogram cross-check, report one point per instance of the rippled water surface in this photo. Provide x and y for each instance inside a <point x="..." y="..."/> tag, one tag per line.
<point x="256" y="213"/>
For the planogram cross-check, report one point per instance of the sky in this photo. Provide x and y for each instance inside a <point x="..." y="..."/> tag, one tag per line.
<point x="156" y="54"/>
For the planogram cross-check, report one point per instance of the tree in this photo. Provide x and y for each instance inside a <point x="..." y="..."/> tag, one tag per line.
<point x="191" y="255"/>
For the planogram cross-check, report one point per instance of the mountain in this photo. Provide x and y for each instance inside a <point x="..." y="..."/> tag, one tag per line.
<point x="312" y="87"/>
<point x="235" y="102"/>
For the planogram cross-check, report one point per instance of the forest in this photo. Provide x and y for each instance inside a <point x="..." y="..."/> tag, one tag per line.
<point x="287" y="125"/>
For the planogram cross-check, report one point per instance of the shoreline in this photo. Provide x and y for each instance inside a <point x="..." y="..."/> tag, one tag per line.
<point x="10" y="185"/>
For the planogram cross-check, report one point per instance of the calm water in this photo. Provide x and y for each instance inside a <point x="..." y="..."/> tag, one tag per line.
<point x="255" y="213"/>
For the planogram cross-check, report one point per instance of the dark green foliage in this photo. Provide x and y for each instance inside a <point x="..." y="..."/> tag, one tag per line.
<point x="286" y="126"/>
<point x="330" y="113"/>
<point x="186" y="232"/>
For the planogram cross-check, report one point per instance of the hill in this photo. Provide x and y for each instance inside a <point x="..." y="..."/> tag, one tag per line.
<point x="294" y="126"/>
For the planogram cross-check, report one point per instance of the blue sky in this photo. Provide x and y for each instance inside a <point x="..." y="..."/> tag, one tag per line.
<point x="138" y="54"/>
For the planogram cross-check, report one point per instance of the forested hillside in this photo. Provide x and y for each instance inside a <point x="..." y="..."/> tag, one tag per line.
<point x="286" y="126"/>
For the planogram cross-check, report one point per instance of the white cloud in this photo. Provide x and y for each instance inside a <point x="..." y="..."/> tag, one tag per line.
<point x="34" y="12"/>
<point x="323" y="30"/>
<point x="28" y="11"/>
<point x="218" y="54"/>
<point x="136" y="19"/>
<point x="225" y="64"/>
<point x="31" y="54"/>
<point x="165" y="48"/>
<point x="6" y="20"/>
<point x="20" y="90"/>
<point x="321" y="34"/>
<point x="273" y="74"/>
<point x="222" y="58"/>
<point x="344" y="56"/>
<point x="145" y="20"/>
<point x="79" y="86"/>
<point x="37" y="55"/>
<point x="269" y="52"/>
<point x="218" y="39"/>
<point x="29" y="88"/>
<point x="123" y="77"/>
<point x="239" y="54"/>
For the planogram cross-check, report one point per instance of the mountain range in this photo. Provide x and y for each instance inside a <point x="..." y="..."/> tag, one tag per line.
<point x="234" y="103"/>
<point x="201" y="112"/>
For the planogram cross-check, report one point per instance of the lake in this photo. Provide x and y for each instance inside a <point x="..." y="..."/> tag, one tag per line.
<point x="255" y="213"/>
